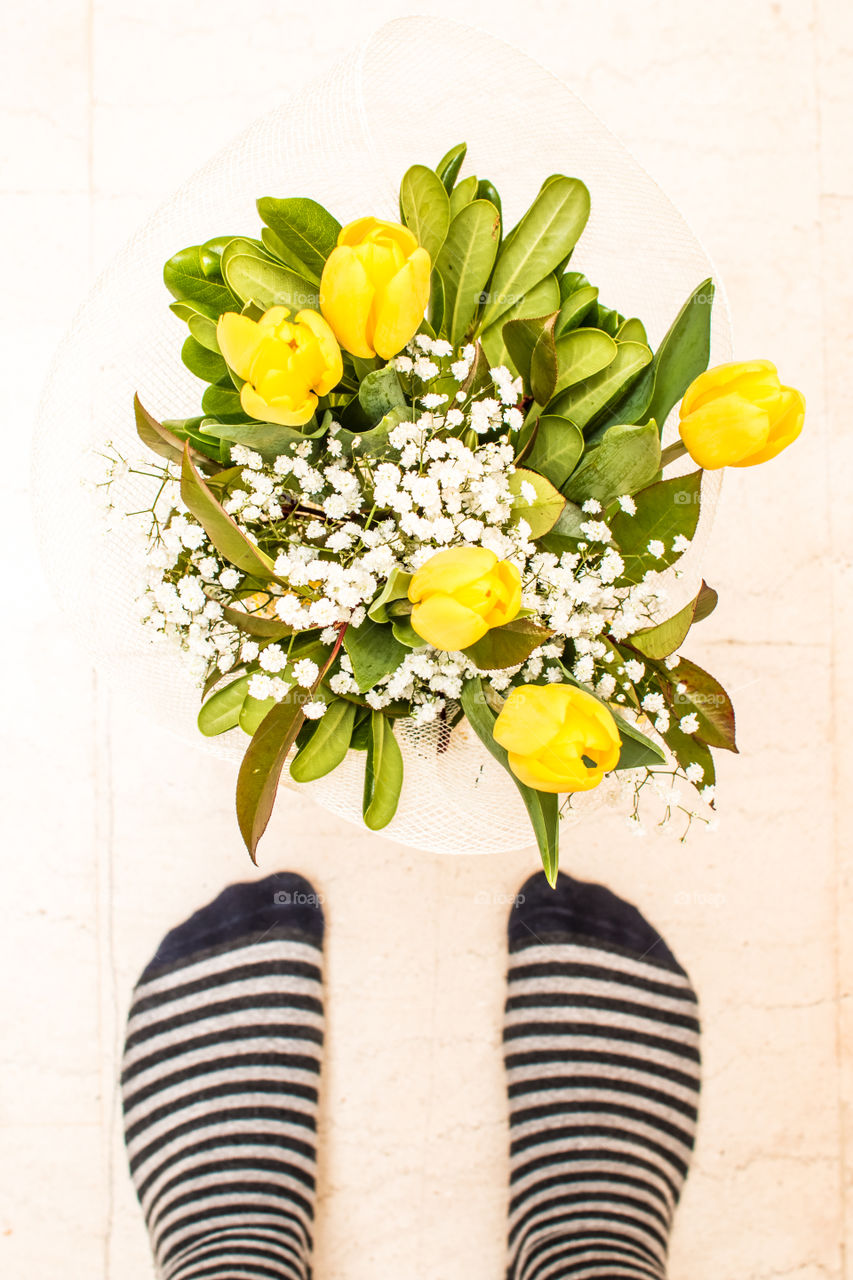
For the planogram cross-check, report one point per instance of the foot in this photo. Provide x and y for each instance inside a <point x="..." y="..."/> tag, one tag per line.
<point x="601" y="1043"/>
<point x="220" y="1080"/>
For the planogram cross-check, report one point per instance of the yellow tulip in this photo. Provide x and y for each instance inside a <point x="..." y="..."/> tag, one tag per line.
<point x="460" y="594"/>
<point x="738" y="415"/>
<point x="549" y="732"/>
<point x="286" y="363"/>
<point x="375" y="287"/>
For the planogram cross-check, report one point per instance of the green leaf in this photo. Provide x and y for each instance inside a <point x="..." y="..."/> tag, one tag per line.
<point x="584" y="400"/>
<point x="405" y="633"/>
<point x="627" y="459"/>
<point x="205" y="364"/>
<point x="638" y="751"/>
<point x="162" y="441"/>
<point x="448" y="166"/>
<point x="509" y="645"/>
<point x="203" y="330"/>
<point x="328" y="745"/>
<point x="374" y="652"/>
<point x="465" y="264"/>
<point x="277" y="249"/>
<point x="544" y="511"/>
<point x="542" y="300"/>
<point x="269" y="439"/>
<point x="396" y="588"/>
<point x="221" y="711"/>
<point x="688" y="749"/>
<point x="544" y="236"/>
<point x="223" y="402"/>
<point x="304" y="227"/>
<point x="703" y="696"/>
<point x="463" y="193"/>
<point x="684" y="352"/>
<point x="576" y="308"/>
<point x="580" y="355"/>
<point x="257" y="280"/>
<point x="257" y="624"/>
<point x="664" y="510"/>
<point x="632" y="330"/>
<point x="425" y="207"/>
<point x="662" y="640"/>
<point x="224" y="533"/>
<point x="566" y="532"/>
<point x="435" y="306"/>
<point x="383" y="774"/>
<point x="253" y="712"/>
<point x="374" y="442"/>
<point x="521" y="337"/>
<point x="556" y="449"/>
<point x="257" y="781"/>
<point x="542" y="807"/>
<point x="380" y="392"/>
<point x="192" y="275"/>
<point x="544" y="364"/>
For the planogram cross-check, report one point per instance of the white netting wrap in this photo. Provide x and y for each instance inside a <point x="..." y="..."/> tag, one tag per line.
<point x="416" y="88"/>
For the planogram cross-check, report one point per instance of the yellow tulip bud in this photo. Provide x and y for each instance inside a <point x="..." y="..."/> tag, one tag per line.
<point x="375" y="287"/>
<point x="460" y="594"/>
<point x="738" y="415"/>
<point x="286" y="363"/>
<point x="551" y="731"/>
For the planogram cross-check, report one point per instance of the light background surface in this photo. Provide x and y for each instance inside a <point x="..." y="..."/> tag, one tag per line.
<point x="115" y="831"/>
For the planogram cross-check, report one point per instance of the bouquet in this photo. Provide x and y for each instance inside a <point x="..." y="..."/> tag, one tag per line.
<point x="427" y="482"/>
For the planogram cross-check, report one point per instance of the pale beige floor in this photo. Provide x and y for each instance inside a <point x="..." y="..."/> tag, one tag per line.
<point x="743" y="113"/>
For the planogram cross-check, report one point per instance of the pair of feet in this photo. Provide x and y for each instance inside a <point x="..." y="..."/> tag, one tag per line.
<point x="222" y="1066"/>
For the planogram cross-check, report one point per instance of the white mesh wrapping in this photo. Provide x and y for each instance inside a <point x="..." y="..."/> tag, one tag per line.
<point x="416" y="88"/>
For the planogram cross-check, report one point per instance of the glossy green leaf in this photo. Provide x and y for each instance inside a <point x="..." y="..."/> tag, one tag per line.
<point x="374" y="652"/>
<point x="449" y="165"/>
<point x="205" y="364"/>
<point x="584" y="400"/>
<point x="257" y="624"/>
<point x="566" y="532"/>
<point x="383" y="774"/>
<point x="665" y="510"/>
<point x="520" y="338"/>
<point x="662" y="640"/>
<point x="425" y="207"/>
<point x="304" y="227"/>
<point x="547" y="232"/>
<point x="269" y="285"/>
<point x="632" y="330"/>
<point x="396" y="588"/>
<point x="462" y="194"/>
<point x="328" y="745"/>
<point x="688" y="749"/>
<point x="435" y="306"/>
<point x="556" y="449"/>
<point x="581" y="354"/>
<point x="192" y="275"/>
<point x="509" y="645"/>
<point x="465" y="264"/>
<point x="542" y="300"/>
<point x="269" y="439"/>
<point x="684" y="352"/>
<point x="544" y="365"/>
<point x="278" y="250"/>
<point x="543" y="808"/>
<point x="691" y="690"/>
<point x="627" y="459"/>
<point x="257" y="781"/>
<point x="224" y="533"/>
<point x="575" y="309"/>
<point x="253" y="712"/>
<point x="221" y="711"/>
<point x="544" y="510"/>
<point x="637" y="750"/>
<point x="203" y="330"/>
<point x="223" y="403"/>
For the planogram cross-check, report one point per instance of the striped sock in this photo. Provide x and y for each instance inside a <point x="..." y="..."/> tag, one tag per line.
<point x="220" y="1080"/>
<point x="601" y="1043"/>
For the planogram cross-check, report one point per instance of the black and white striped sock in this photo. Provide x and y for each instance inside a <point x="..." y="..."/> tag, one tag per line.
<point x="601" y="1043"/>
<point x="220" y="1085"/>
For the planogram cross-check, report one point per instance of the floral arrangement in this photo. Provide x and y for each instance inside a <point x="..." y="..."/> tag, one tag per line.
<point x="427" y="481"/>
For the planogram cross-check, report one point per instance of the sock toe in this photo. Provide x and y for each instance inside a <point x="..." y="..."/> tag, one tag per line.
<point x="282" y="905"/>
<point x="578" y="910"/>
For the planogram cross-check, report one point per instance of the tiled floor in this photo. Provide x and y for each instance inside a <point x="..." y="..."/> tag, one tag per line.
<point x="115" y="831"/>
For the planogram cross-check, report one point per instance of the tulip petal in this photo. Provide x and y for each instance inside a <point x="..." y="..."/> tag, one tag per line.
<point x="329" y="350"/>
<point x="509" y="602"/>
<point x="448" y="571"/>
<point x="375" y="229"/>
<point x="238" y="339"/>
<point x="725" y="379"/>
<point x="784" y="430"/>
<point x="400" y="307"/>
<point x="573" y="775"/>
<point x="528" y="722"/>
<point x="346" y="297"/>
<point x="256" y="407"/>
<point x="724" y="432"/>
<point x="445" y="624"/>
